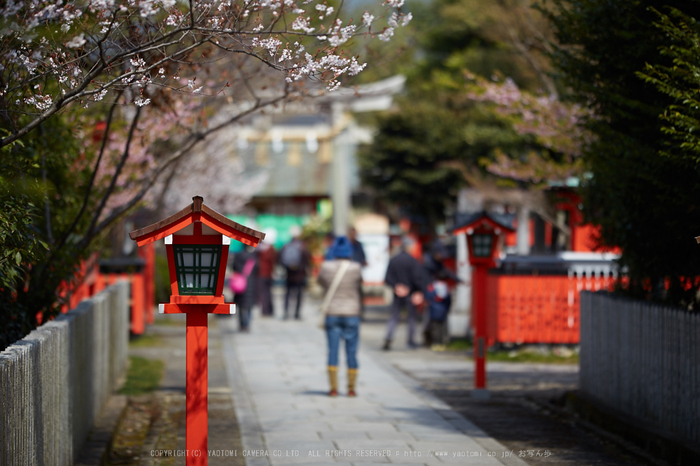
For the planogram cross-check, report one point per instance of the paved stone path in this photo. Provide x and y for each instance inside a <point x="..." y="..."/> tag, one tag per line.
<point x="278" y="378"/>
<point x="523" y="412"/>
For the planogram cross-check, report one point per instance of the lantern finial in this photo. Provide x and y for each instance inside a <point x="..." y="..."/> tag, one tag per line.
<point x="197" y="203"/>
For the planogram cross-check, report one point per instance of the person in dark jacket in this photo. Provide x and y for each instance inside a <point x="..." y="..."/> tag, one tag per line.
<point x="408" y="280"/>
<point x="358" y="252"/>
<point x="245" y="262"/>
<point x="267" y="258"/>
<point x="433" y="263"/>
<point x="295" y="258"/>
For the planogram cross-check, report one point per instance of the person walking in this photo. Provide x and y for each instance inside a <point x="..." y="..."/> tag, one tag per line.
<point x="245" y="269"/>
<point x="295" y="259"/>
<point x="407" y="278"/>
<point x="267" y="258"/>
<point x="341" y="278"/>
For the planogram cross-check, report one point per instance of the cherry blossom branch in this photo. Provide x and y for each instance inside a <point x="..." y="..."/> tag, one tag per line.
<point x="123" y="43"/>
<point x="186" y="147"/>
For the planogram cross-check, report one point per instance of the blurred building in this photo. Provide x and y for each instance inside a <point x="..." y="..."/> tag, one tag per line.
<point x="305" y="154"/>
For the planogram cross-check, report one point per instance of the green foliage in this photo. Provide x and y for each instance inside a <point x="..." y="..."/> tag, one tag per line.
<point x="385" y="59"/>
<point x="438" y="126"/>
<point x="536" y="355"/>
<point x="680" y="81"/>
<point x="41" y="182"/>
<point x="646" y="204"/>
<point x="460" y="344"/>
<point x="406" y="162"/>
<point x="485" y="38"/>
<point x="18" y="242"/>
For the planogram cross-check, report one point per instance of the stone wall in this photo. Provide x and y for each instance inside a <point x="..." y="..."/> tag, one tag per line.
<point x="55" y="381"/>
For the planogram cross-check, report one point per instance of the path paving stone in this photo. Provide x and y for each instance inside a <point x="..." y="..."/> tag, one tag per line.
<point x="268" y="402"/>
<point x="279" y="381"/>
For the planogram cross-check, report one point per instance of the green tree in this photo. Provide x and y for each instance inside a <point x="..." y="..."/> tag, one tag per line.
<point x="443" y="136"/>
<point x="680" y="81"/>
<point x="646" y="204"/>
<point x="407" y="161"/>
<point x="41" y="187"/>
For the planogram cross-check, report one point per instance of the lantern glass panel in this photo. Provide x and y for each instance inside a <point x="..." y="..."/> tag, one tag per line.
<point x="481" y="245"/>
<point x="197" y="268"/>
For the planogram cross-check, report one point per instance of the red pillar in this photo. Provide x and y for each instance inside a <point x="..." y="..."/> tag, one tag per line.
<point x="479" y="318"/>
<point x="138" y="311"/>
<point x="197" y="378"/>
<point x="149" y="254"/>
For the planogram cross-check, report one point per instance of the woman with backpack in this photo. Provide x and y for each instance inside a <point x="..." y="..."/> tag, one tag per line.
<point x="295" y="258"/>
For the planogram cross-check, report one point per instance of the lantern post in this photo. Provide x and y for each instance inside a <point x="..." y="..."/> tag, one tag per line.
<point x="484" y="235"/>
<point x="197" y="242"/>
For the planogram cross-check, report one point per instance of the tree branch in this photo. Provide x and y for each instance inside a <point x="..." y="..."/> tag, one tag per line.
<point x="187" y="146"/>
<point x="90" y="234"/>
<point x="91" y="183"/>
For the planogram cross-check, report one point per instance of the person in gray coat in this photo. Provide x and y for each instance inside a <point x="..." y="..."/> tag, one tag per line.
<point x="343" y="312"/>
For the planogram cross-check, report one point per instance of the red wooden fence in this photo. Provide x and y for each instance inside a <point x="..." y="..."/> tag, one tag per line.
<point x="88" y="281"/>
<point x="538" y="308"/>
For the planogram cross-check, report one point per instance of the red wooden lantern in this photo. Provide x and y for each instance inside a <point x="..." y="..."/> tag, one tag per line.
<point x="484" y="238"/>
<point x="197" y="242"/>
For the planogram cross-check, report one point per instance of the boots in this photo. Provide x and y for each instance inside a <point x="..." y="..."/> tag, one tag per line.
<point x="333" y="379"/>
<point x="352" y="377"/>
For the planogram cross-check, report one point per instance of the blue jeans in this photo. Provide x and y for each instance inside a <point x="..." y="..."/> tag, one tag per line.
<point x="347" y="328"/>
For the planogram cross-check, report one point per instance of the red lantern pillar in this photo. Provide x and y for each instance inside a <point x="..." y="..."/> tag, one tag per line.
<point x="480" y="331"/>
<point x="197" y="240"/>
<point x="197" y="365"/>
<point x="197" y="387"/>
<point x="483" y="238"/>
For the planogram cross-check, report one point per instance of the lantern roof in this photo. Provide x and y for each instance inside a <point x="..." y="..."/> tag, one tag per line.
<point x="197" y="212"/>
<point x="483" y="219"/>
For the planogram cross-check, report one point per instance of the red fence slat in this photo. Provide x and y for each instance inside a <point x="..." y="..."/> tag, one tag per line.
<point x="538" y="309"/>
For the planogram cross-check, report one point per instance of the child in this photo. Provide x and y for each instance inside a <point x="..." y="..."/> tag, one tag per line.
<point x="439" y="301"/>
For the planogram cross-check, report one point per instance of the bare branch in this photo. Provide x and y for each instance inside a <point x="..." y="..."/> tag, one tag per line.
<point x="91" y="229"/>
<point x="91" y="183"/>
